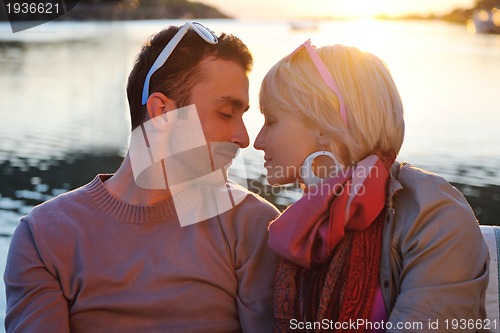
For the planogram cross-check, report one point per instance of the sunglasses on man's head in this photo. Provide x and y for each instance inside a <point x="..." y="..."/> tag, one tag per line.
<point x="325" y="74"/>
<point x="202" y="31"/>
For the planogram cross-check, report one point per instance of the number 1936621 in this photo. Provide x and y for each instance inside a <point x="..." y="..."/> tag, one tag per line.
<point x="32" y="8"/>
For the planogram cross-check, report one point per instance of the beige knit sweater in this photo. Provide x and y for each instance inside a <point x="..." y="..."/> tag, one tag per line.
<point x="87" y="262"/>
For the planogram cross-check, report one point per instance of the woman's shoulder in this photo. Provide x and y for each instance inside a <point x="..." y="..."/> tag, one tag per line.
<point x="425" y="186"/>
<point x="425" y="199"/>
<point x="408" y="174"/>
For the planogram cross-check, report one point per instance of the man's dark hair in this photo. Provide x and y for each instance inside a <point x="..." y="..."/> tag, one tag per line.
<point x="181" y="71"/>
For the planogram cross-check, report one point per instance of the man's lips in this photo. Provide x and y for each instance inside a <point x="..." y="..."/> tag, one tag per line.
<point x="225" y="150"/>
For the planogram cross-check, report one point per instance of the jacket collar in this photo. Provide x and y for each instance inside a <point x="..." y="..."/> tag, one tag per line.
<point x="394" y="185"/>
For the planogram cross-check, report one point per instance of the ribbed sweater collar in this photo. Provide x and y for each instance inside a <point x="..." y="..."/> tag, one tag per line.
<point x="122" y="211"/>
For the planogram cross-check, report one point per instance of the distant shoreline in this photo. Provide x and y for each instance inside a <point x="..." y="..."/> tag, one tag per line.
<point x="125" y="10"/>
<point x="460" y="16"/>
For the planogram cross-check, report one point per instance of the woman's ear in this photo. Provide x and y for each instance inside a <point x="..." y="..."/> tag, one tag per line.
<point x="158" y="104"/>
<point x="322" y="139"/>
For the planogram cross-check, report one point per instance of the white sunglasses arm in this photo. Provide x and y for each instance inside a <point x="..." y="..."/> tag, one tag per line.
<point x="162" y="57"/>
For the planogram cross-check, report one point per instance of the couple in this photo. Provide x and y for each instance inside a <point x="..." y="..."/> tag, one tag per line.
<point x="167" y="244"/>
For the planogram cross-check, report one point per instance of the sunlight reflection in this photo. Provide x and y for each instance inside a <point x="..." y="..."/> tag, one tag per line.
<point x="366" y="34"/>
<point x="496" y="16"/>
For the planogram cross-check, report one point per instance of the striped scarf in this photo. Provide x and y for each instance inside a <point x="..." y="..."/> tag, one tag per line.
<point x="330" y="268"/>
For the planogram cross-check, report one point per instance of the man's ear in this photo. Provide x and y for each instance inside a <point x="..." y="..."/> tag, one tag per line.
<point x="158" y="104"/>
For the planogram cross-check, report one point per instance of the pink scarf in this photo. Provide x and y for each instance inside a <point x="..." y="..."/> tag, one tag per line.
<point x="308" y="231"/>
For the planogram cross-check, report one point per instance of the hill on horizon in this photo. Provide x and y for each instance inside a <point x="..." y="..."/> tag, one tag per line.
<point x="125" y="10"/>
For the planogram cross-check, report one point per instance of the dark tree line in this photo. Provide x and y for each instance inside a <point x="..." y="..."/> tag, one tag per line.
<point x="487" y="4"/>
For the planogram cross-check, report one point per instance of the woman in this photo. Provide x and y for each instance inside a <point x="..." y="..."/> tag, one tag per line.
<point x="374" y="243"/>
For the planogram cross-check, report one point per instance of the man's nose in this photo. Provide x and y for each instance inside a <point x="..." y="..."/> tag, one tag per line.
<point x="240" y="136"/>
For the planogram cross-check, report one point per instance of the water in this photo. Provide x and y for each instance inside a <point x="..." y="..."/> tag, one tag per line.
<point x="64" y="116"/>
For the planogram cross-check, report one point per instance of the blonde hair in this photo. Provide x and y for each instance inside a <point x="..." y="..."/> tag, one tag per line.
<point x="374" y="107"/>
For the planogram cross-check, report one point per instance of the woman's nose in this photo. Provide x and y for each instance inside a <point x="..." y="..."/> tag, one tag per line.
<point x="259" y="143"/>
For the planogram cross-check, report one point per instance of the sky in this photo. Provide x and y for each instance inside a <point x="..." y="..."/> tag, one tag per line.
<point x="288" y="9"/>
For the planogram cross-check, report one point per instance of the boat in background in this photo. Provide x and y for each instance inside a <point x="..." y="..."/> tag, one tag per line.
<point x="304" y="25"/>
<point x="486" y="21"/>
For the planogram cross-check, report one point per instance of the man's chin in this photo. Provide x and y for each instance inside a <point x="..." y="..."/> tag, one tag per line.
<point x="273" y="181"/>
<point x="222" y="161"/>
<point x="223" y="153"/>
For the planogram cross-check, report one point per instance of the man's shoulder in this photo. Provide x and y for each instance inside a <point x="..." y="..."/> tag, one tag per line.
<point x="59" y="207"/>
<point x="250" y="201"/>
<point x="250" y="211"/>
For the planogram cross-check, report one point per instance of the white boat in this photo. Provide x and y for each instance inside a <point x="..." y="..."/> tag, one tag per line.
<point x="304" y="25"/>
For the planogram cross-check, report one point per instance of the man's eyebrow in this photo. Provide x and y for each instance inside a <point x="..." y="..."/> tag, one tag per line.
<point x="234" y="102"/>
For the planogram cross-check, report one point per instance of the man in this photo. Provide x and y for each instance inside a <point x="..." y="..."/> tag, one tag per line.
<point x="156" y="247"/>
